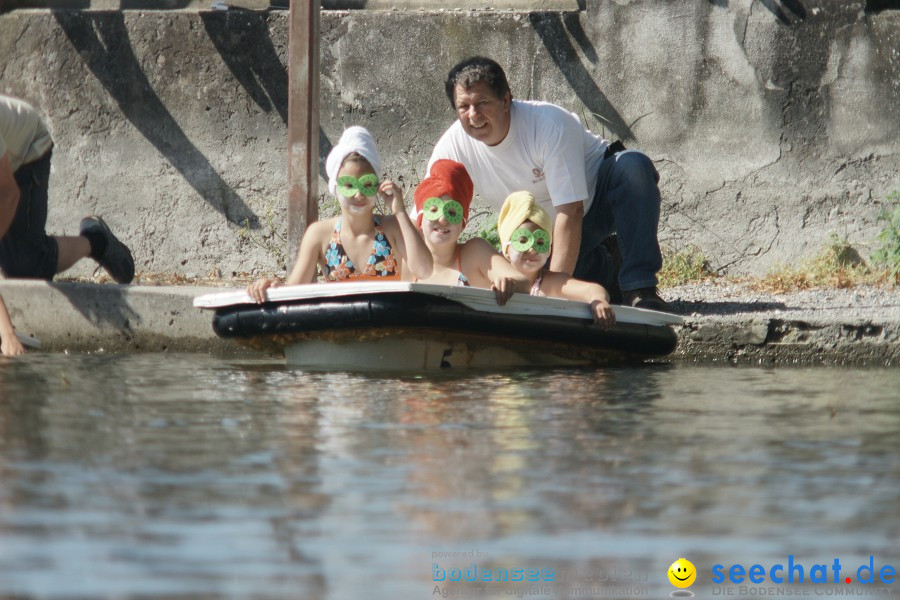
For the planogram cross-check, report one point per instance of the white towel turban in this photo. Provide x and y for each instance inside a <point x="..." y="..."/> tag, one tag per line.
<point x="354" y="139"/>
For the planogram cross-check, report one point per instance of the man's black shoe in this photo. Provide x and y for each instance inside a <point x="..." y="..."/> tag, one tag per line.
<point x="645" y="298"/>
<point x="116" y="258"/>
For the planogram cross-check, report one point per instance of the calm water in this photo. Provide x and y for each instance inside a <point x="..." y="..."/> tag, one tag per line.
<point x="188" y="476"/>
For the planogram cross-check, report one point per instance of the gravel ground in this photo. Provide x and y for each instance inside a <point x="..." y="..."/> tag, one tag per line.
<point x="732" y="299"/>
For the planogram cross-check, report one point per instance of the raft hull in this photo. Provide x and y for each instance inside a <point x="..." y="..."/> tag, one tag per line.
<point x="409" y="331"/>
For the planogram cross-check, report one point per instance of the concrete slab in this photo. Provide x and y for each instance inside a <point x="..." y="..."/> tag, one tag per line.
<point x="81" y="317"/>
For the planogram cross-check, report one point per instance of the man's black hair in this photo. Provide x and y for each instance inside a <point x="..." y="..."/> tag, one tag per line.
<point x="472" y="70"/>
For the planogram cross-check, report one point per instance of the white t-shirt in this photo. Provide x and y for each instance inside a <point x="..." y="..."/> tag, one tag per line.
<point x="547" y="152"/>
<point x="22" y="132"/>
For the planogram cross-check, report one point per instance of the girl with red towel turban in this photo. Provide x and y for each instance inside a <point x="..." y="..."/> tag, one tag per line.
<point x="442" y="205"/>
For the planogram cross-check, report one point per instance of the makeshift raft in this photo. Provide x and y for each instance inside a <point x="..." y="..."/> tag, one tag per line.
<point x="404" y="326"/>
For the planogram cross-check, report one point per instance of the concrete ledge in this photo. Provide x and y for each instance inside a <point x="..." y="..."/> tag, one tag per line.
<point x="743" y="341"/>
<point x="80" y="317"/>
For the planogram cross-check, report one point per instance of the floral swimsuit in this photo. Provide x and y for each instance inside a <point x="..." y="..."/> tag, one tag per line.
<point x="382" y="264"/>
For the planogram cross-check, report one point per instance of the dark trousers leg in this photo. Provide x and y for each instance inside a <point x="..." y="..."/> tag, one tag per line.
<point x="26" y="251"/>
<point x="627" y="202"/>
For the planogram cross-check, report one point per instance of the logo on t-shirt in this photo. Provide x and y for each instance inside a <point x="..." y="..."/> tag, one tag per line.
<point x="538" y="175"/>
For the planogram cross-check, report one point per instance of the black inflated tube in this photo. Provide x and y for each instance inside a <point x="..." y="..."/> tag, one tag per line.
<point x="411" y="311"/>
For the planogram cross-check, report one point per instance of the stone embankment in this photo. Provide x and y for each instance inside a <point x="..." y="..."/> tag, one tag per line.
<point x="772" y="124"/>
<point x="732" y="323"/>
<point x="724" y="322"/>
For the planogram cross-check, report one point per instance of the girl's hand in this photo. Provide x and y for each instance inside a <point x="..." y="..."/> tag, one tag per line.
<point x="504" y="288"/>
<point x="257" y="289"/>
<point x="389" y="191"/>
<point x="603" y="314"/>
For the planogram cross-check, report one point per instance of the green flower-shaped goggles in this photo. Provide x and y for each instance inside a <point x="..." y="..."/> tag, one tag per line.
<point x="348" y="185"/>
<point x="451" y="210"/>
<point x="523" y="240"/>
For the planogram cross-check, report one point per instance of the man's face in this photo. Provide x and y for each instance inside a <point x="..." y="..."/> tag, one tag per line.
<point x="483" y="115"/>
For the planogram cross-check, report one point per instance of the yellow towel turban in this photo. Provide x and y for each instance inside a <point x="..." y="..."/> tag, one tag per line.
<point x="518" y="208"/>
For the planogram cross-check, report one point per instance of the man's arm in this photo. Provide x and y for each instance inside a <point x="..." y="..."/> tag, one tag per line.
<point x="567" y="237"/>
<point x="9" y="195"/>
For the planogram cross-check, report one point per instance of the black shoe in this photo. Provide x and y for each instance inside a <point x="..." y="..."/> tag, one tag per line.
<point x="645" y="298"/>
<point x="116" y="259"/>
<point x="612" y="245"/>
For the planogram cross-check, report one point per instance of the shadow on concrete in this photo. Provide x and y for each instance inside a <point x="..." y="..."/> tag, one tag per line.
<point x="105" y="305"/>
<point x="724" y="308"/>
<point x="102" y="41"/>
<point x="876" y="6"/>
<point x="153" y="4"/>
<point x="11" y="5"/>
<point x="554" y="30"/>
<point x="573" y="26"/>
<point x="787" y="11"/>
<point x="343" y="4"/>
<point x="243" y="40"/>
<point x="325" y="147"/>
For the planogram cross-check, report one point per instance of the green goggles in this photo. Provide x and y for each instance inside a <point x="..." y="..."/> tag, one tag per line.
<point x="348" y="185"/>
<point x="523" y="240"/>
<point x="435" y="208"/>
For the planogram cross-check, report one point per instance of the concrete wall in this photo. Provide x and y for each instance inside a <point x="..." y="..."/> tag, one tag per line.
<point x="773" y="122"/>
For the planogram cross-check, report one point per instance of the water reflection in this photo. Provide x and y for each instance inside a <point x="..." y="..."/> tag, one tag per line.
<point x="192" y="476"/>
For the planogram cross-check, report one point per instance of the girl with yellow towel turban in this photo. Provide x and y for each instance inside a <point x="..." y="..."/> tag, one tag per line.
<point x="525" y="232"/>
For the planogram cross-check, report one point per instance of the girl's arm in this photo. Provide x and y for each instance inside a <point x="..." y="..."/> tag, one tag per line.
<point x="505" y="279"/>
<point x="560" y="285"/>
<point x="9" y="343"/>
<point x="411" y="245"/>
<point x="304" y="270"/>
<point x="309" y="253"/>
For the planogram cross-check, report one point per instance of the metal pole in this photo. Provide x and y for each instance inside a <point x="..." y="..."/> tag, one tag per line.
<point x="303" y="120"/>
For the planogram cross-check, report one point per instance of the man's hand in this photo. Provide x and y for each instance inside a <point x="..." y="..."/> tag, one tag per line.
<point x="9" y="195"/>
<point x="567" y="237"/>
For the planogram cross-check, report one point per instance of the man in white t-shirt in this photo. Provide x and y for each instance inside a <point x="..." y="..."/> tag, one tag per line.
<point x="591" y="188"/>
<point x="26" y="250"/>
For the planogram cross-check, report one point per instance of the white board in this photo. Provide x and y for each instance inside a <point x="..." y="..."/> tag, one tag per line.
<point x="475" y="298"/>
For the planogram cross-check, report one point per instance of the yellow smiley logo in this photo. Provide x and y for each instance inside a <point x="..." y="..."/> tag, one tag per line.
<point x="682" y="573"/>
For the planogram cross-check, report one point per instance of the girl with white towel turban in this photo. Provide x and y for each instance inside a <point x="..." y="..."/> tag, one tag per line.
<point x="358" y="245"/>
